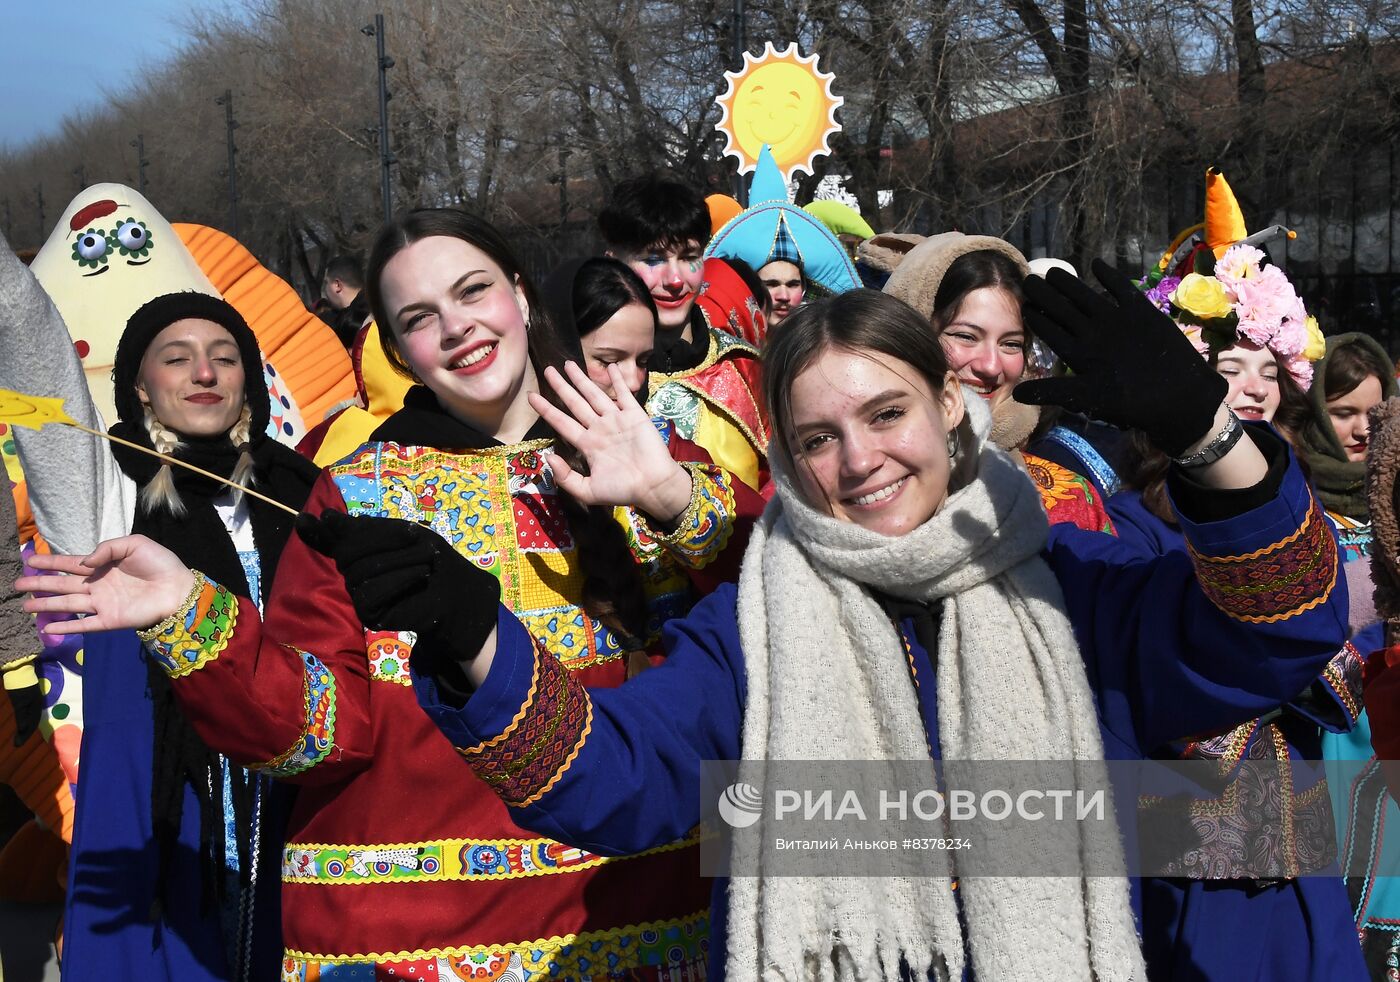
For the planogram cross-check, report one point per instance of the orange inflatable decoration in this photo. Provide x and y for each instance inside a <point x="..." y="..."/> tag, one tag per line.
<point x="311" y="361"/>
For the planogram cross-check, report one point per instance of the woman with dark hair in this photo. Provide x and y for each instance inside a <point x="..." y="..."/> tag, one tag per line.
<point x="903" y="600"/>
<point x="174" y="866"/>
<point x="969" y="287"/>
<point x="604" y="315"/>
<point x="390" y="870"/>
<point x="1334" y="440"/>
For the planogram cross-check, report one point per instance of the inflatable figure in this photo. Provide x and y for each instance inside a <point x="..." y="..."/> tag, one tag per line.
<point x="111" y="251"/>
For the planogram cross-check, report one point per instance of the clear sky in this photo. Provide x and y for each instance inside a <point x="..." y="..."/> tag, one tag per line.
<point x="65" y="55"/>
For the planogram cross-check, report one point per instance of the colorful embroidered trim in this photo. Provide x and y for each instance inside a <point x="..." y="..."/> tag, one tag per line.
<point x="1277" y="582"/>
<point x="541" y="742"/>
<point x="1353" y="536"/>
<point x="705" y="526"/>
<point x="1343" y="677"/>
<point x="185" y="644"/>
<point x="1068" y="497"/>
<point x="574" y="638"/>
<point x="657" y="950"/>
<point x="1261" y="825"/>
<point x="441" y="860"/>
<point x="318" y="721"/>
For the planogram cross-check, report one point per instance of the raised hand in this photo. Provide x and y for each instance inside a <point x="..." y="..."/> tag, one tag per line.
<point x="131" y="582"/>
<point x="1132" y="366"/>
<point x="628" y="464"/>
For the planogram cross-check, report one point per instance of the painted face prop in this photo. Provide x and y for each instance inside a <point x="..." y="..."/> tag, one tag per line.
<point x="111" y="251"/>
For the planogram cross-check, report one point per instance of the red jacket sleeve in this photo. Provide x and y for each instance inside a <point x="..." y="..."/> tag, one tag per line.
<point x="287" y="694"/>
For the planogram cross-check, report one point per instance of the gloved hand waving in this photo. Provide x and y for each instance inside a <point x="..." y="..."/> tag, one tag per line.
<point x="1132" y="366"/>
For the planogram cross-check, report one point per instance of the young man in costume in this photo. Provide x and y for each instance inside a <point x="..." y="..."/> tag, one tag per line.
<point x="703" y="381"/>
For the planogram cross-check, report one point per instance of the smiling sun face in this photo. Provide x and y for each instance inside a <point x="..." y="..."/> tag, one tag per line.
<point x="783" y="100"/>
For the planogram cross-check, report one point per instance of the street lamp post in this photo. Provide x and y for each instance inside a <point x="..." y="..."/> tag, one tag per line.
<point x="231" y="124"/>
<point x="386" y="156"/>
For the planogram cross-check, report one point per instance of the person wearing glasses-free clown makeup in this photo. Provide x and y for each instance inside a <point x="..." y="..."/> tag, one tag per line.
<point x="702" y="381"/>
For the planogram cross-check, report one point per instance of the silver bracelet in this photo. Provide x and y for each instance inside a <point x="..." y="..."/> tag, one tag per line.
<point x="1222" y="444"/>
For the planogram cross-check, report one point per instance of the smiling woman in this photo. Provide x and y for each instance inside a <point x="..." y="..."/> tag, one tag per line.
<point x="186" y="380"/>
<point x="466" y="499"/>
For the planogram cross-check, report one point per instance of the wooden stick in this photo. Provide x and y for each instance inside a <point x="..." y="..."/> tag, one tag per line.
<point x="180" y="463"/>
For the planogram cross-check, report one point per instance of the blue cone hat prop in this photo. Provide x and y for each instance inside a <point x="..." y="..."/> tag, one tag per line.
<point x="773" y="229"/>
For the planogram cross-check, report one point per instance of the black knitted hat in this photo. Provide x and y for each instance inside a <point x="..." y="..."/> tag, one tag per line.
<point x="155" y="316"/>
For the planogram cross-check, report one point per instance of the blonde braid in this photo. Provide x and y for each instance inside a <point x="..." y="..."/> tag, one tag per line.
<point x="160" y="491"/>
<point x="240" y="435"/>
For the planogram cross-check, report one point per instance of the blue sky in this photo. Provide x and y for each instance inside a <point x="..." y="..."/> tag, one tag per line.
<point x="64" y="55"/>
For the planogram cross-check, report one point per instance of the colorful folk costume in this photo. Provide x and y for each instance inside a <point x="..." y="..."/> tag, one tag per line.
<point x="1361" y="805"/>
<point x="109" y="252"/>
<point x="394" y="866"/>
<point x="964" y="650"/>
<point x="1067" y="495"/>
<point x="707" y="391"/>
<point x="1257" y="896"/>
<point x="174" y="863"/>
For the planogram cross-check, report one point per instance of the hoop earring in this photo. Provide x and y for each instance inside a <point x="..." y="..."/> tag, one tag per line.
<point x="953" y="443"/>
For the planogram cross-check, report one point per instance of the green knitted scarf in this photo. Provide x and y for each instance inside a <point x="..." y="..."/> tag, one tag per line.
<point x="1340" y="483"/>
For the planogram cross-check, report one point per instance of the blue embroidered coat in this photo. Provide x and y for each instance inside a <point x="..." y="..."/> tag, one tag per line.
<point x="1182" y="642"/>
<point x="1205" y="923"/>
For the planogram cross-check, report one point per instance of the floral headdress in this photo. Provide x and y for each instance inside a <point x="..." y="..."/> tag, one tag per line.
<point x="1223" y="292"/>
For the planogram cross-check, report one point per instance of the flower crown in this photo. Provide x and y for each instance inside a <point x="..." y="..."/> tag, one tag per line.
<point x="1241" y="299"/>
<point x="1223" y="293"/>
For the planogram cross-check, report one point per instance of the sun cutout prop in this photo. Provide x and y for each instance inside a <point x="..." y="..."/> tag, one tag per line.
<point x="784" y="100"/>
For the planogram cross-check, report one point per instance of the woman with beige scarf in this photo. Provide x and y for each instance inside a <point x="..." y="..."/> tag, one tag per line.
<point x="902" y="598"/>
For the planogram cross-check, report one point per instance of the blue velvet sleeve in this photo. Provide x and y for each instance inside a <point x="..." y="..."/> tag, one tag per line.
<point x="615" y="771"/>
<point x="1191" y="640"/>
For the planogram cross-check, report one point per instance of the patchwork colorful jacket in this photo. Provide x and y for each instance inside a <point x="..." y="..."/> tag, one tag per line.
<point x="400" y="862"/>
<point x="717" y="406"/>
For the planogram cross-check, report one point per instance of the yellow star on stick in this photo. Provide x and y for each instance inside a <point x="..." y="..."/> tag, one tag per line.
<point x="32" y="412"/>
<point x="18" y="409"/>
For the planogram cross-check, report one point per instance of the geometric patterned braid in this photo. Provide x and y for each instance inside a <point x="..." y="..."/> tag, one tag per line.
<point x="160" y="491"/>
<point x="1382" y="472"/>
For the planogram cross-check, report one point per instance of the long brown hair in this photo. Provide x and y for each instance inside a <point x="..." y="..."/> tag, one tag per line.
<point x="612" y="587"/>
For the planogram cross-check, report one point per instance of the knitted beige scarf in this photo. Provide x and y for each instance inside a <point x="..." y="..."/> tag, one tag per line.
<point x="828" y="680"/>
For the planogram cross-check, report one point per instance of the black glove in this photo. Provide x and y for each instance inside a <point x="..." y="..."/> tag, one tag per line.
<point x="28" y="706"/>
<point x="404" y="577"/>
<point x="1132" y="365"/>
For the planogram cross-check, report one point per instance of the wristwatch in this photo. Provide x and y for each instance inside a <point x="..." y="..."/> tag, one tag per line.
<point x="1224" y="441"/>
